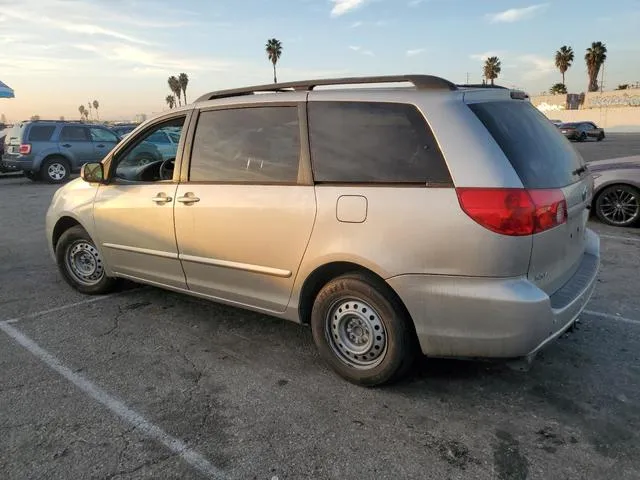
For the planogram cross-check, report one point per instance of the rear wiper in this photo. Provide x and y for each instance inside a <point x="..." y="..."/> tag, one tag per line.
<point x="579" y="171"/>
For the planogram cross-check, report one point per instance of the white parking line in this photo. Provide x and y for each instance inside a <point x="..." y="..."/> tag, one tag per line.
<point x="612" y="317"/>
<point x="618" y="237"/>
<point x="116" y="406"/>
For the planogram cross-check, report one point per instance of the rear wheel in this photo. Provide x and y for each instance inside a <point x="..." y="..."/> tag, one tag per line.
<point x="601" y="136"/>
<point x="55" y="170"/>
<point x="618" y="205"/>
<point x="81" y="264"/>
<point x="582" y="137"/>
<point x="361" y="330"/>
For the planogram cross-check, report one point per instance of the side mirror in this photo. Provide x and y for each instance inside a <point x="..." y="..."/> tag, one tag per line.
<point x="92" y="173"/>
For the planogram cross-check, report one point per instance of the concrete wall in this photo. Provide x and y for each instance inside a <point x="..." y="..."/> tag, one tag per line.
<point x="617" y="111"/>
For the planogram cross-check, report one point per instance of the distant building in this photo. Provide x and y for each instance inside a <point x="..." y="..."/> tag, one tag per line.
<point x="140" y="117"/>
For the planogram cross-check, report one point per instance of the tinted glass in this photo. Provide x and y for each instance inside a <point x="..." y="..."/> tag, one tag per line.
<point x="158" y="137"/>
<point x="74" y="134"/>
<point x="373" y="143"/>
<point x="254" y="145"/>
<point x="41" y="133"/>
<point x="538" y="152"/>
<point x="102" y="135"/>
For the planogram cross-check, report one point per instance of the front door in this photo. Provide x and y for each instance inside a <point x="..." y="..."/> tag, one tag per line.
<point x="134" y="214"/>
<point x="75" y="143"/>
<point x="245" y="215"/>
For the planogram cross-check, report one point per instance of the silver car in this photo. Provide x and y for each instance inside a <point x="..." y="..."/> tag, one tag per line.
<point x="616" y="199"/>
<point x="433" y="218"/>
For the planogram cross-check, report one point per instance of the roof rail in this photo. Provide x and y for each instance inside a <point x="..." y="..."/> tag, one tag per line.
<point x="419" y="81"/>
<point x="480" y="85"/>
<point x="57" y="121"/>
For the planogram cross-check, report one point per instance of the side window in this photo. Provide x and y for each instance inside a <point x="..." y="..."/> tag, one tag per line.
<point x="145" y="161"/>
<point x="74" y="134"/>
<point x="252" y="145"/>
<point x="158" y="137"/>
<point x="41" y="133"/>
<point x="365" y="142"/>
<point x="102" y="135"/>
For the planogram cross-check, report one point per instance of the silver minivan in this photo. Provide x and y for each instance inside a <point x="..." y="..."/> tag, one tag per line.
<point x="431" y="218"/>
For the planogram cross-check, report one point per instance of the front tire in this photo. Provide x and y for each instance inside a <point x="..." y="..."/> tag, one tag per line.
<point x="601" y="137"/>
<point x="55" y="170"/>
<point x="31" y="176"/>
<point x="81" y="264"/>
<point x="582" y="137"/>
<point x="362" y="331"/>
<point x="618" y="205"/>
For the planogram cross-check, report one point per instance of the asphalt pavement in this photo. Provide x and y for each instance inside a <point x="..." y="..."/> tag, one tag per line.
<point x="150" y="384"/>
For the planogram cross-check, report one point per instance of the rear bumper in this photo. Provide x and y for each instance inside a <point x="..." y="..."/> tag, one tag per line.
<point x="11" y="163"/>
<point x="572" y="135"/>
<point x="472" y="317"/>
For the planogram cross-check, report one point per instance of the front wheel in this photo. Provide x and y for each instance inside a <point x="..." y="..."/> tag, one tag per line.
<point x="618" y="205"/>
<point x="600" y="137"/>
<point x="81" y="264"/>
<point x="361" y="330"/>
<point x="55" y="170"/>
<point x="582" y="137"/>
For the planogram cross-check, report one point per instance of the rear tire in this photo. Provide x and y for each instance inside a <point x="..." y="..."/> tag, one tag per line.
<point x="601" y="137"/>
<point x="618" y="205"/>
<point x="362" y="331"/>
<point x="582" y="137"/>
<point x="81" y="264"/>
<point x="55" y="170"/>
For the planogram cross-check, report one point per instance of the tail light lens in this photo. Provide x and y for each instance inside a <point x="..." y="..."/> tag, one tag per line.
<point x="514" y="211"/>
<point x="25" y="149"/>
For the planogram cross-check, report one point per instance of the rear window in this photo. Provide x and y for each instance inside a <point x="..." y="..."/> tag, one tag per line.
<point x="41" y="133"/>
<point x="14" y="134"/>
<point x="538" y="152"/>
<point x="367" y="142"/>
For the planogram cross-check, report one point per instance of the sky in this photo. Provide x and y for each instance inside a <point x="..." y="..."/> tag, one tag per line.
<point x="58" y="54"/>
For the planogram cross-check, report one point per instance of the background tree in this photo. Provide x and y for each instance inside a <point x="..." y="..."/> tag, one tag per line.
<point x="564" y="59"/>
<point x="96" y="104"/>
<point x="274" y="51"/>
<point x="35" y="117"/>
<point x="82" y="110"/>
<point x="594" y="58"/>
<point x="622" y="86"/>
<point x="492" y="68"/>
<point x="183" y="80"/>
<point x="89" y="110"/>
<point x="557" y="89"/>
<point x="174" y="86"/>
<point x="62" y="118"/>
<point x="171" y="101"/>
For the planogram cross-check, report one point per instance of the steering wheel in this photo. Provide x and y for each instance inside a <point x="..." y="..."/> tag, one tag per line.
<point x="166" y="169"/>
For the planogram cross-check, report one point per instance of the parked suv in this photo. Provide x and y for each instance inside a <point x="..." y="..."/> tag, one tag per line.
<point x="356" y="211"/>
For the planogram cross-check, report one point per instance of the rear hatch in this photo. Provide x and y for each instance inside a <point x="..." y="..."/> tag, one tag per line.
<point x="546" y="163"/>
<point x="13" y="139"/>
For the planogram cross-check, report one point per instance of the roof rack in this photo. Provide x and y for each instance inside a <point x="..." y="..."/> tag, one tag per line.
<point x="421" y="82"/>
<point x="480" y="85"/>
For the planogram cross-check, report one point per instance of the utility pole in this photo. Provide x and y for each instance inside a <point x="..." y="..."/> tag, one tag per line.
<point x="467" y="78"/>
<point x="602" y="79"/>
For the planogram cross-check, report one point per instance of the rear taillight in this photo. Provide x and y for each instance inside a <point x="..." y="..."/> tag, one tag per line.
<point x="514" y="211"/>
<point x="25" y="149"/>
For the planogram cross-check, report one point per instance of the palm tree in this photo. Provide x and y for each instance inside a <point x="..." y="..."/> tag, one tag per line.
<point x="171" y="101"/>
<point x="274" y="51"/>
<point x="558" y="89"/>
<point x="89" y="105"/>
<point x="96" y="104"/>
<point x="595" y="57"/>
<point x="492" y="68"/>
<point x="183" y="80"/>
<point x="174" y="86"/>
<point x="81" y="109"/>
<point x="564" y="58"/>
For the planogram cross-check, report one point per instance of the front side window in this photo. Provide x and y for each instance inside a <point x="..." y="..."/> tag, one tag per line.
<point x="367" y="142"/>
<point x="102" y="135"/>
<point x="252" y="145"/>
<point x="145" y="161"/>
<point x="74" y="134"/>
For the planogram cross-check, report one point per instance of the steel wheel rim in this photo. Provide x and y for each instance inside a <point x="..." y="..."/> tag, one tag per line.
<point x="56" y="171"/>
<point x="620" y="206"/>
<point x="84" y="263"/>
<point x="356" y="334"/>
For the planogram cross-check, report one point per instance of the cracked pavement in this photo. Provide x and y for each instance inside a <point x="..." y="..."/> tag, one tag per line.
<point x="250" y="394"/>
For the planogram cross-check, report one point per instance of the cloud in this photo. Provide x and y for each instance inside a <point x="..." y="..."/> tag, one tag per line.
<point x="355" y="24"/>
<point x="412" y="52"/>
<point x="516" y="14"/>
<point x="481" y="57"/>
<point x="361" y="50"/>
<point x="415" y="3"/>
<point x="355" y="48"/>
<point x="340" y="7"/>
<point x="536" y="66"/>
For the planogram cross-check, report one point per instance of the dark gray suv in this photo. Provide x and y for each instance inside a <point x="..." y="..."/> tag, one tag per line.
<point x="52" y="150"/>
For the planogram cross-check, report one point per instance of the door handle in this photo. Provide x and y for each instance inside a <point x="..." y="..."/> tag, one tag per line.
<point x="66" y="145"/>
<point x="161" y="198"/>
<point x="188" y="198"/>
<point x="100" y="146"/>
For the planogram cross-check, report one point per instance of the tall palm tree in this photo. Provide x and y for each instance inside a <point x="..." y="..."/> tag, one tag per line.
<point x="595" y="57"/>
<point x="183" y="80"/>
<point x="96" y="104"/>
<point x="174" y="86"/>
<point x="90" y="107"/>
<point x="492" y="68"/>
<point x="564" y="58"/>
<point x="81" y="110"/>
<point x="171" y="101"/>
<point x="274" y="51"/>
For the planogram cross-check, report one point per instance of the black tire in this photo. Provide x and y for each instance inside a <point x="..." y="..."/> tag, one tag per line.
<point x="31" y="176"/>
<point x="354" y="290"/>
<point x="582" y="137"/>
<point x="55" y="164"/>
<point x="628" y="195"/>
<point x="76" y="237"/>
<point x="600" y="137"/>
<point x="143" y="159"/>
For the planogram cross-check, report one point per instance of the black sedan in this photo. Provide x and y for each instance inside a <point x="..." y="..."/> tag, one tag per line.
<point x="582" y="131"/>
